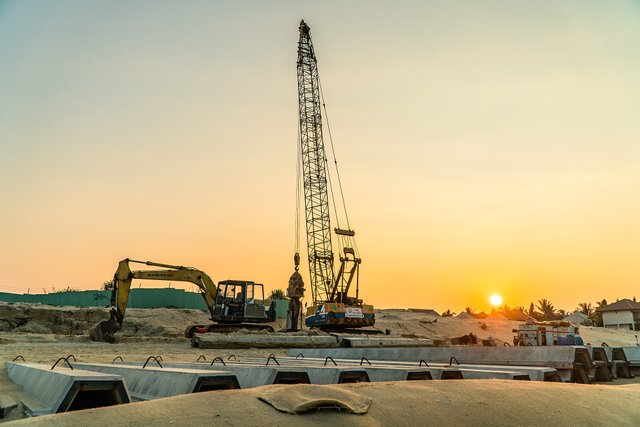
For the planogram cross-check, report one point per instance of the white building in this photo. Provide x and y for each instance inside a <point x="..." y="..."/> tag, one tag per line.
<point x="623" y="314"/>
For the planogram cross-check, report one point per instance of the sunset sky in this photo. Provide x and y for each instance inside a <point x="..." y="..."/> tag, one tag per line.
<point x="485" y="147"/>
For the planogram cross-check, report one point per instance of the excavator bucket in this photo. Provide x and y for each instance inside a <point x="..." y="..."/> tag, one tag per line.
<point x="103" y="331"/>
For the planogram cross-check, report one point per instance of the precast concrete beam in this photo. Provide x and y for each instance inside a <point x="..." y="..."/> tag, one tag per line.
<point x="64" y="389"/>
<point x="573" y="363"/>
<point x="153" y="382"/>
<point x="535" y="373"/>
<point x="601" y="364"/>
<point x="256" y="375"/>
<point x="618" y="361"/>
<point x="633" y="357"/>
<point x="377" y="372"/>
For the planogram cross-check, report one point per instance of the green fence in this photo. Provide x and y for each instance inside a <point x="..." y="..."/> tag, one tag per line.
<point x="138" y="298"/>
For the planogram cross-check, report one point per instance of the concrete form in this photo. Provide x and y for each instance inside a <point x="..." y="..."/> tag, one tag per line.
<point x="535" y="373"/>
<point x="573" y="363"/>
<point x="7" y="405"/>
<point x="65" y="389"/>
<point x="153" y="382"/>
<point x="632" y="355"/>
<point x="253" y="372"/>
<point x="619" y="365"/>
<point x="250" y="375"/>
<point x="602" y="366"/>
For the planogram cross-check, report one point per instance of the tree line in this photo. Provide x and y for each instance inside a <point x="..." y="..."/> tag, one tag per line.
<point x="544" y="310"/>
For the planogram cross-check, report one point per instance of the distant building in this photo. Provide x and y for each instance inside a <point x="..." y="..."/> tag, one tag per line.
<point x="623" y="314"/>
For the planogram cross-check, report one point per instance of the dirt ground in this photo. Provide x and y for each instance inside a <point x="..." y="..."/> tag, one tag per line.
<point x="42" y="334"/>
<point x="449" y="403"/>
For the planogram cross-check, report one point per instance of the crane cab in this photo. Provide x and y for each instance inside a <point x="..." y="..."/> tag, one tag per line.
<point x="336" y="315"/>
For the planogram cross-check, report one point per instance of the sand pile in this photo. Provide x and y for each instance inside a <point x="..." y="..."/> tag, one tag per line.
<point x="464" y="402"/>
<point x="46" y="319"/>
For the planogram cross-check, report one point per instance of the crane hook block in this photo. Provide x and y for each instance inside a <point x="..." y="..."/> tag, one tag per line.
<point x="296" y="260"/>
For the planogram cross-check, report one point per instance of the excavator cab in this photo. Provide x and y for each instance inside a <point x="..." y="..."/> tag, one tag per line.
<point x="241" y="301"/>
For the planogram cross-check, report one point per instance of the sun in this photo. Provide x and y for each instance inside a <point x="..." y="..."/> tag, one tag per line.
<point x="495" y="300"/>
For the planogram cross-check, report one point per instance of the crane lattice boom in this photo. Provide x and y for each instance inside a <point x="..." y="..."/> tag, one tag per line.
<point x="314" y="171"/>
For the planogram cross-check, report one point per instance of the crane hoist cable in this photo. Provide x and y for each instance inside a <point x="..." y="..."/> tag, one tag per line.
<point x="298" y="195"/>
<point x="333" y="152"/>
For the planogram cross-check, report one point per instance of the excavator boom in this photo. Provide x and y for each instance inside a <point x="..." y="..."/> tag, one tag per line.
<point x="122" y="279"/>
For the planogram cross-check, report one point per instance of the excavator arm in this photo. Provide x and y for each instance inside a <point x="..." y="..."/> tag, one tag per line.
<point x="103" y="331"/>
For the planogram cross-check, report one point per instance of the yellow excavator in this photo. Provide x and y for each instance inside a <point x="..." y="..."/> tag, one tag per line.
<point x="233" y="304"/>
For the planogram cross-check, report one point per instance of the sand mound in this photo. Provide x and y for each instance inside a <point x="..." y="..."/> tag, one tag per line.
<point x="463" y="402"/>
<point x="465" y="315"/>
<point x="46" y="319"/>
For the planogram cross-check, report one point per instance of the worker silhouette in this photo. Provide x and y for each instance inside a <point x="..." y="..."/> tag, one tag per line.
<point x="239" y="298"/>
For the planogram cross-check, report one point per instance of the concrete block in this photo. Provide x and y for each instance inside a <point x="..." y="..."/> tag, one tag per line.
<point x="153" y="382"/>
<point x="633" y="357"/>
<point x="601" y="364"/>
<point x="619" y="363"/>
<point x="64" y="389"/>
<point x="7" y="405"/>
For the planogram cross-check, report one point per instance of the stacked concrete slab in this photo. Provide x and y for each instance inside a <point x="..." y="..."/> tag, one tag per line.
<point x="573" y="363"/>
<point x="65" y="389"/>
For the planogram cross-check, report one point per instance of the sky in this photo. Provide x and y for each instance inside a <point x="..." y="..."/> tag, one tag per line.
<point x="484" y="146"/>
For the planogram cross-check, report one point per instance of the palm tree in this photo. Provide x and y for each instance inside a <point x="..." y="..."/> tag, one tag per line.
<point x="597" y="315"/>
<point x="108" y="285"/>
<point x="546" y="309"/>
<point x="277" y="294"/>
<point x="585" y="308"/>
<point x="532" y="312"/>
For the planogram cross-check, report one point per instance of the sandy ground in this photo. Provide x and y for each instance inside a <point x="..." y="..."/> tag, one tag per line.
<point x="465" y="402"/>
<point x="43" y="334"/>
